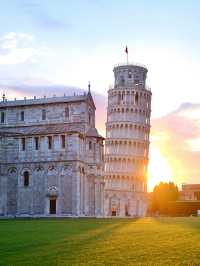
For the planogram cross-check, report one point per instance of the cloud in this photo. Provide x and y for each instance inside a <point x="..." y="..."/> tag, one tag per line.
<point x="41" y="16"/>
<point x="19" y="48"/>
<point x="176" y="135"/>
<point x="15" y="40"/>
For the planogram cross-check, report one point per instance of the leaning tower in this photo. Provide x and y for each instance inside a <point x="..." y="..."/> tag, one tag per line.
<point x="127" y="142"/>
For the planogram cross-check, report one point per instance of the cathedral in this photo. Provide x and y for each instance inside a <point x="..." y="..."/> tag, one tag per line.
<point x="51" y="157"/>
<point x="52" y="160"/>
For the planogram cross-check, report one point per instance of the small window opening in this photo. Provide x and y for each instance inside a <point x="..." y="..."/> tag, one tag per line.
<point x="22" y="116"/>
<point x="136" y="98"/>
<point x="23" y="142"/>
<point x="2" y="117"/>
<point x="126" y="211"/>
<point x="49" y="142"/>
<point x="66" y="112"/>
<point x="36" y="143"/>
<point x="26" y="178"/>
<point x="122" y="81"/>
<point x="119" y="98"/>
<point x="63" y="142"/>
<point x="43" y="114"/>
<point x="90" y="145"/>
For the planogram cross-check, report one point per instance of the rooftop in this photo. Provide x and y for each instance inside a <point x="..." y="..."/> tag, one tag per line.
<point x="130" y="64"/>
<point x="190" y="186"/>
<point x="44" y="100"/>
<point x="92" y="132"/>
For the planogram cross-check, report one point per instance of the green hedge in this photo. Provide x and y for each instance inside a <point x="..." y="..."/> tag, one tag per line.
<point x="183" y="208"/>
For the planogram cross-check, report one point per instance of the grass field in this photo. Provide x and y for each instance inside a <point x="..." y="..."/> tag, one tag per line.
<point x="148" y="241"/>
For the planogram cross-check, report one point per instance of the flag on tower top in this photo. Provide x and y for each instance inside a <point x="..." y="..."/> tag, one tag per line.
<point x="126" y="50"/>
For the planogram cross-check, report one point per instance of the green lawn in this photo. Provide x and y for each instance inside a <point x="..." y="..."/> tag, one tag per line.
<point x="147" y="241"/>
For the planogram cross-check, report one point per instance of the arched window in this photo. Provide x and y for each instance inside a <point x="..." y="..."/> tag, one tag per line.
<point x="26" y="178"/>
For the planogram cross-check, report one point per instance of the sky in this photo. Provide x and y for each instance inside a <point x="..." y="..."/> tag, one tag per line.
<point x="49" y="47"/>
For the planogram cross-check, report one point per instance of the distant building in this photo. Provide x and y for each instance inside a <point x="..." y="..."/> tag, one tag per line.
<point x="188" y="203"/>
<point x="51" y="157"/>
<point x="190" y="192"/>
<point x="127" y="142"/>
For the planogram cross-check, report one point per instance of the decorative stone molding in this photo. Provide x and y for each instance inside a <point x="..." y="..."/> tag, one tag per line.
<point x="52" y="191"/>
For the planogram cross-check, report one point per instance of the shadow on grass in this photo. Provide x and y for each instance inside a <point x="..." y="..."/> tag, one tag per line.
<point x="100" y="242"/>
<point x="91" y="246"/>
<point x="39" y="241"/>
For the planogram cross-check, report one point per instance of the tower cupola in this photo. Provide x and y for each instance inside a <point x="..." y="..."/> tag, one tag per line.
<point x="130" y="75"/>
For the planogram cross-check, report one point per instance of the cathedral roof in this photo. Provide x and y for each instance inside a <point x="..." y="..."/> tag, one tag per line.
<point x="50" y="129"/>
<point x="44" y="129"/>
<point x="39" y="101"/>
<point x="92" y="132"/>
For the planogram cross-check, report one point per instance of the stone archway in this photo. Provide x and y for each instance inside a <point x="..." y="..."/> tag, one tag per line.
<point x="114" y="206"/>
<point x="12" y="191"/>
<point x="52" y="195"/>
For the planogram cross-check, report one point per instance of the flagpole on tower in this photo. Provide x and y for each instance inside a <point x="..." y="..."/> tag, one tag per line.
<point x="126" y="51"/>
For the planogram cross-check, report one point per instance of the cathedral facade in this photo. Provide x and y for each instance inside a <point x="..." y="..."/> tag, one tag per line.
<point x="127" y="142"/>
<point x="51" y="157"/>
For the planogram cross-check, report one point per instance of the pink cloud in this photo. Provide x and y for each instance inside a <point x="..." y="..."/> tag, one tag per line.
<point x="181" y="127"/>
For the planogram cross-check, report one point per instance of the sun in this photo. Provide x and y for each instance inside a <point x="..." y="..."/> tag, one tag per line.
<point x="158" y="169"/>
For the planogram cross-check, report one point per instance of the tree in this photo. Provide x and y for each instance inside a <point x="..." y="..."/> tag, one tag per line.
<point x="161" y="195"/>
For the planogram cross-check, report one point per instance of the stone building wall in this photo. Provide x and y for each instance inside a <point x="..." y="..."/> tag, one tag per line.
<point x="56" y="112"/>
<point x="54" y="142"/>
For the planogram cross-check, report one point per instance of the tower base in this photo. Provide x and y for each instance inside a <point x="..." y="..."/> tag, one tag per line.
<point x="125" y="203"/>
